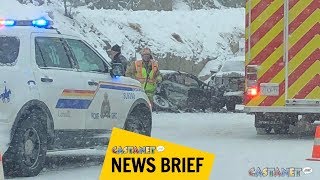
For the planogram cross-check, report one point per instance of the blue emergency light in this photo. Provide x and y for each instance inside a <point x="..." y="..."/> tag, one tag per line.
<point x="7" y="22"/>
<point x="39" y="23"/>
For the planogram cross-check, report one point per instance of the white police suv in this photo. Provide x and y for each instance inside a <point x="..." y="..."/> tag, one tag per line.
<point x="58" y="93"/>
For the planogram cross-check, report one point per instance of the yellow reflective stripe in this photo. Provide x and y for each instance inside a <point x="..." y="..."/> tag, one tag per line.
<point x="304" y="79"/>
<point x="314" y="94"/>
<point x="263" y="42"/>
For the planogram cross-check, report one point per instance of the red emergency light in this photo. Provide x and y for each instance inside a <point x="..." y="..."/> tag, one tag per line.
<point x="252" y="91"/>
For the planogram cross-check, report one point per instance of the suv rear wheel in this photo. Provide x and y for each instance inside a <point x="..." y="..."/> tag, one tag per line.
<point x="26" y="155"/>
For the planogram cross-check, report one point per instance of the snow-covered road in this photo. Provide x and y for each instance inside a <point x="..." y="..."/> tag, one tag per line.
<point x="230" y="136"/>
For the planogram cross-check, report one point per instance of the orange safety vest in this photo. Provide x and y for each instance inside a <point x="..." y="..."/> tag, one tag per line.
<point x="143" y="76"/>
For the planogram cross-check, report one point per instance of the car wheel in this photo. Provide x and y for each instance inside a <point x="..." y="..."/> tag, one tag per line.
<point x="139" y="121"/>
<point x="27" y="153"/>
<point x="161" y="102"/>
<point x="231" y="106"/>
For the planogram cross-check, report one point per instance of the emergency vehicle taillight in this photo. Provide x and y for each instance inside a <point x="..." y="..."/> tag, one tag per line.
<point x="252" y="91"/>
<point x="251" y="80"/>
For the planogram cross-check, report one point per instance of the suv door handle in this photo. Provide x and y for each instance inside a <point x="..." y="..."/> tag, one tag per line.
<point x="46" y="79"/>
<point x="92" y="83"/>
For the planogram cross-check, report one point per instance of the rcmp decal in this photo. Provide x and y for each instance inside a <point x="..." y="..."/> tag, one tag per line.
<point x="5" y="95"/>
<point x="75" y="99"/>
<point x="129" y="96"/>
<point x="105" y="107"/>
<point x="94" y="115"/>
<point x="66" y="114"/>
<point x="82" y="99"/>
<point x="114" y="115"/>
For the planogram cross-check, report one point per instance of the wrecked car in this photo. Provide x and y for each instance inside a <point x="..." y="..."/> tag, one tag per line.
<point x="180" y="91"/>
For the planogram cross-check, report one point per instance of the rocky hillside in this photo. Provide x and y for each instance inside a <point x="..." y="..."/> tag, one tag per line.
<point x="138" y="5"/>
<point x="181" y="39"/>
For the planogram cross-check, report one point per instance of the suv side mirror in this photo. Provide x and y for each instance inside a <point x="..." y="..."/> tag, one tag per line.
<point x="117" y="70"/>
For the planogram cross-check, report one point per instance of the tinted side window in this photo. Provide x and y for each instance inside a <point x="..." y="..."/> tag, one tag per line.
<point x="9" y="49"/>
<point x="50" y="52"/>
<point x="87" y="59"/>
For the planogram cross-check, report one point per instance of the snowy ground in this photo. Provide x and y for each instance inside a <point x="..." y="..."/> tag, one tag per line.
<point x="230" y="136"/>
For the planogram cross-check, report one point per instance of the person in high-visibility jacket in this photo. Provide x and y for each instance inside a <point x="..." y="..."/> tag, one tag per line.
<point x="146" y="71"/>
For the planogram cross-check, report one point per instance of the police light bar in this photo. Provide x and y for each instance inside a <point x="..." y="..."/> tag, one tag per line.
<point x="39" y="23"/>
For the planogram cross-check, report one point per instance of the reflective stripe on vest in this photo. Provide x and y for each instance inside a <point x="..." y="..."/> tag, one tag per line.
<point x="141" y="76"/>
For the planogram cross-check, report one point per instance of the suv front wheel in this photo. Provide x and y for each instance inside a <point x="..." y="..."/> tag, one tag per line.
<point x="139" y="121"/>
<point x="26" y="155"/>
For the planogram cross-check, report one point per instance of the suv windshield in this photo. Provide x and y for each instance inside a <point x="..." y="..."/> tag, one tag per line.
<point x="233" y="66"/>
<point x="9" y="49"/>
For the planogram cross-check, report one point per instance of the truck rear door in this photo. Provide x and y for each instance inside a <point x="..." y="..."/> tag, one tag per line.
<point x="302" y="52"/>
<point x="265" y="65"/>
